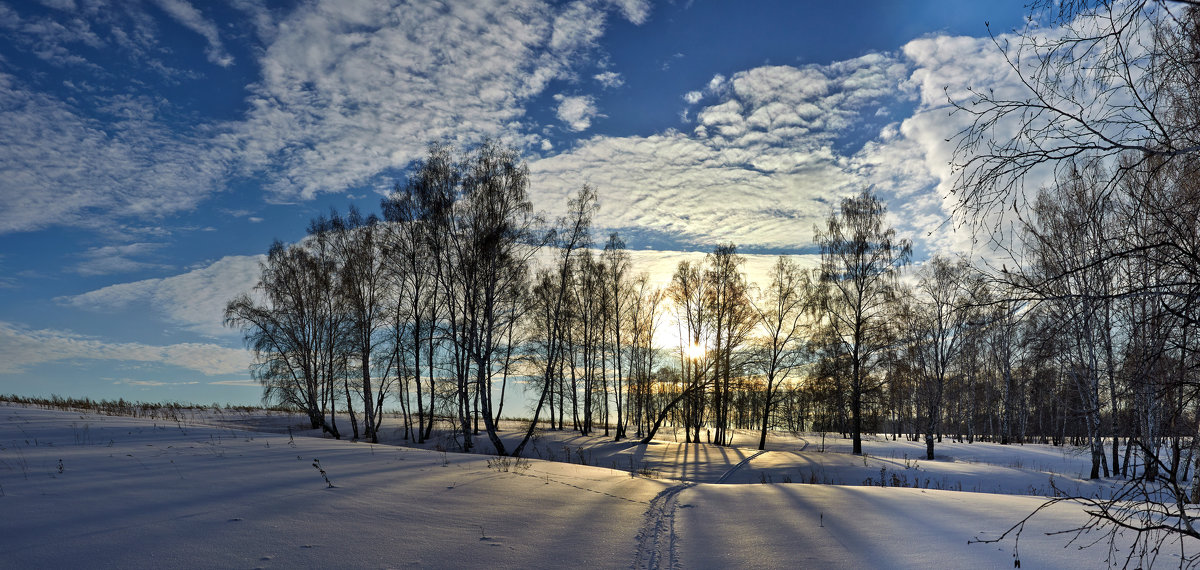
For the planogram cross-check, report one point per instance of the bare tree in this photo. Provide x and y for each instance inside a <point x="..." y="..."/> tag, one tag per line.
<point x="732" y="319"/>
<point x="780" y="311"/>
<point x="416" y="213"/>
<point x="492" y="241"/>
<point x="355" y="243"/>
<point x="550" y="295"/>
<point x="689" y="292"/>
<point x="939" y="319"/>
<point x="860" y="260"/>
<point x="1070" y="240"/>
<point x="643" y="323"/>
<point x="294" y="331"/>
<point x="1115" y="78"/>
<point x="616" y="262"/>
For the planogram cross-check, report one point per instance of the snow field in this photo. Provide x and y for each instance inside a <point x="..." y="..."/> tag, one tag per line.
<point x="136" y="493"/>
<point x="179" y="496"/>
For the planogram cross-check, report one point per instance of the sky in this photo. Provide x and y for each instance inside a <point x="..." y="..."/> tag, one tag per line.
<point x="151" y="151"/>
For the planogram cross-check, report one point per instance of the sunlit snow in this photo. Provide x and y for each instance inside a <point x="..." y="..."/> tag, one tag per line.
<point x="80" y="489"/>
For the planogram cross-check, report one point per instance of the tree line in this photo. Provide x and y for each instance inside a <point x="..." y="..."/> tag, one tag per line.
<point x="441" y="303"/>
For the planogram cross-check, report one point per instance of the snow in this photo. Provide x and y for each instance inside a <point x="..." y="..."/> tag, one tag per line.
<point x="137" y="493"/>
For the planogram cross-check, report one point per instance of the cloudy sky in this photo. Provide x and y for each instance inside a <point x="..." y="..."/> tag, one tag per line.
<point x="150" y="151"/>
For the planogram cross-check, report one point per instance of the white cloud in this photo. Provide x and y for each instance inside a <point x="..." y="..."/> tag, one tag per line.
<point x="192" y="19"/>
<point x="580" y="24"/>
<point x="244" y="383"/>
<point x="717" y="86"/>
<point x="924" y="149"/>
<point x="345" y="93"/>
<point x="666" y="64"/>
<point x="194" y="300"/>
<point x="609" y="79"/>
<point x="767" y="160"/>
<point x="912" y="162"/>
<point x="153" y="383"/>
<point x="21" y="348"/>
<point x="131" y="29"/>
<point x="6" y="279"/>
<point x="351" y="90"/>
<point x="661" y="265"/>
<point x="348" y="91"/>
<point x="636" y="11"/>
<point x="576" y="111"/>
<point x="65" y="5"/>
<point x="759" y="169"/>
<point x="691" y="190"/>
<point x="58" y="166"/>
<point x="49" y="39"/>
<point x="110" y="259"/>
<point x="259" y="15"/>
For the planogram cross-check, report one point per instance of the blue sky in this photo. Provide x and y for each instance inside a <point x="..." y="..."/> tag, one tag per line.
<point x="152" y="150"/>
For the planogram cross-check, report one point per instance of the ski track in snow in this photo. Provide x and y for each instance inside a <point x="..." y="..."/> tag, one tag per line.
<point x="656" y="538"/>
<point x="726" y="475"/>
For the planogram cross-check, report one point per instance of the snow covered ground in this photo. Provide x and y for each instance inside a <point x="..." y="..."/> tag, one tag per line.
<point x="99" y="491"/>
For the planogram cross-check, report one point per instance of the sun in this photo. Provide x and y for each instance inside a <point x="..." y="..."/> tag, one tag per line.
<point x="694" y="351"/>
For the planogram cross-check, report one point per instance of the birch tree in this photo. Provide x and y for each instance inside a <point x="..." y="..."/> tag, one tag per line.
<point x="860" y="261"/>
